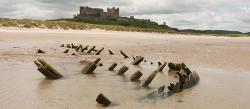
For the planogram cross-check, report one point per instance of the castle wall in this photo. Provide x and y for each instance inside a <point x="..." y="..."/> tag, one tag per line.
<point x="87" y="11"/>
<point x="113" y="12"/>
<point x="97" y="12"/>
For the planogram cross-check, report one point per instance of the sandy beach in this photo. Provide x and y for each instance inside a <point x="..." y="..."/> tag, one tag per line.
<point x="221" y="62"/>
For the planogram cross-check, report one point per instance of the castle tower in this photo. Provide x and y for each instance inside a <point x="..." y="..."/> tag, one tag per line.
<point x="113" y="12"/>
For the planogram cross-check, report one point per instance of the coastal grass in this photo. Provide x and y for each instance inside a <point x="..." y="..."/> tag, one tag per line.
<point x="111" y="25"/>
<point x="77" y="25"/>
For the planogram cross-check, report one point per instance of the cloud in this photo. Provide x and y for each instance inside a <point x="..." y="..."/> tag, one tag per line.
<point x="184" y="14"/>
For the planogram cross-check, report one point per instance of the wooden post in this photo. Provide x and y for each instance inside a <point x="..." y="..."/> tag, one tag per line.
<point x="90" y="67"/>
<point x="97" y="60"/>
<point x="73" y="46"/>
<point x="40" y="51"/>
<point x="43" y="62"/>
<point x="101" y="99"/>
<point x="125" y="56"/>
<point x="177" y="87"/>
<point x="123" y="70"/>
<point x="112" y="67"/>
<point x="79" y="47"/>
<point x="91" y="49"/>
<point x="174" y="88"/>
<point x="138" y="60"/>
<point x="85" y="48"/>
<point x="98" y="52"/>
<point x="47" y="70"/>
<point x="177" y="67"/>
<point x="162" y="67"/>
<point x="44" y="70"/>
<point x="171" y="87"/>
<point x="187" y="70"/>
<point x="161" y="89"/>
<point x="62" y="45"/>
<point x="68" y="46"/>
<point x="136" y="76"/>
<point x="150" y="79"/>
<point x="66" y="51"/>
<point x="110" y="52"/>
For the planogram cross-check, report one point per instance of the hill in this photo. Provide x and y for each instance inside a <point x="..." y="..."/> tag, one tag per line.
<point x="113" y="25"/>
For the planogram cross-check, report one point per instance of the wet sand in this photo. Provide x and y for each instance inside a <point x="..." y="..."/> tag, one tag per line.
<point x="221" y="62"/>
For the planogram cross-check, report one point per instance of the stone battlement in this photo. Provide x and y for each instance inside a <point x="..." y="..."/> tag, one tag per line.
<point x="86" y="11"/>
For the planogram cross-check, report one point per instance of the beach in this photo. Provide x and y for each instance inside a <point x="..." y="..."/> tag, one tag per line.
<point x="221" y="62"/>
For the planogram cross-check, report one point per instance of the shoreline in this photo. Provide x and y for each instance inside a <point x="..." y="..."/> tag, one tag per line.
<point x="101" y="31"/>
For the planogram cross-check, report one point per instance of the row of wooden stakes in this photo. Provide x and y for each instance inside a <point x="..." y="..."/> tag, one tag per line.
<point x="187" y="78"/>
<point x="89" y="50"/>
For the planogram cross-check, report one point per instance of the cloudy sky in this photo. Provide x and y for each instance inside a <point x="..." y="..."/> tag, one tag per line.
<point x="183" y="14"/>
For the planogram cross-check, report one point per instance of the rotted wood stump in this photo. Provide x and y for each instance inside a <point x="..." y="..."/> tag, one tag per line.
<point x="112" y="67"/>
<point x="85" y="48"/>
<point x="90" y="67"/>
<point x="110" y="52"/>
<point x="136" y="76"/>
<point x="150" y="79"/>
<point x="161" y="89"/>
<point x="177" y="66"/>
<point x="101" y="99"/>
<point x="162" y="67"/>
<point x="125" y="56"/>
<point x="159" y="63"/>
<point x="62" y="45"/>
<point x="97" y="60"/>
<point x="79" y="47"/>
<point x="99" y="52"/>
<point x="66" y="51"/>
<point x="123" y="70"/>
<point x="40" y="51"/>
<point x="175" y="88"/>
<point x="73" y="46"/>
<point x="47" y="70"/>
<point x="91" y="49"/>
<point x="68" y="46"/>
<point x="138" y="60"/>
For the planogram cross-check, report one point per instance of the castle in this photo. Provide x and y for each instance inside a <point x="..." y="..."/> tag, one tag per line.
<point x="88" y="12"/>
<point x="98" y="14"/>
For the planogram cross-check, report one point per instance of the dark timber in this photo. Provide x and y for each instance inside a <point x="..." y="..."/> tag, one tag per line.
<point x="123" y="70"/>
<point x="125" y="56"/>
<point x="112" y="67"/>
<point x="99" y="52"/>
<point x="149" y="79"/>
<point x="138" y="60"/>
<point x="101" y="99"/>
<point x="47" y="70"/>
<point x="91" y="49"/>
<point x="136" y="76"/>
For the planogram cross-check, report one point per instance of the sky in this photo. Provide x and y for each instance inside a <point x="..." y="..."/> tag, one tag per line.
<point x="182" y="14"/>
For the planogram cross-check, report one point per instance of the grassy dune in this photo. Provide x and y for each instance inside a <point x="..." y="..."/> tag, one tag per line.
<point x="111" y="25"/>
<point x="76" y="25"/>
